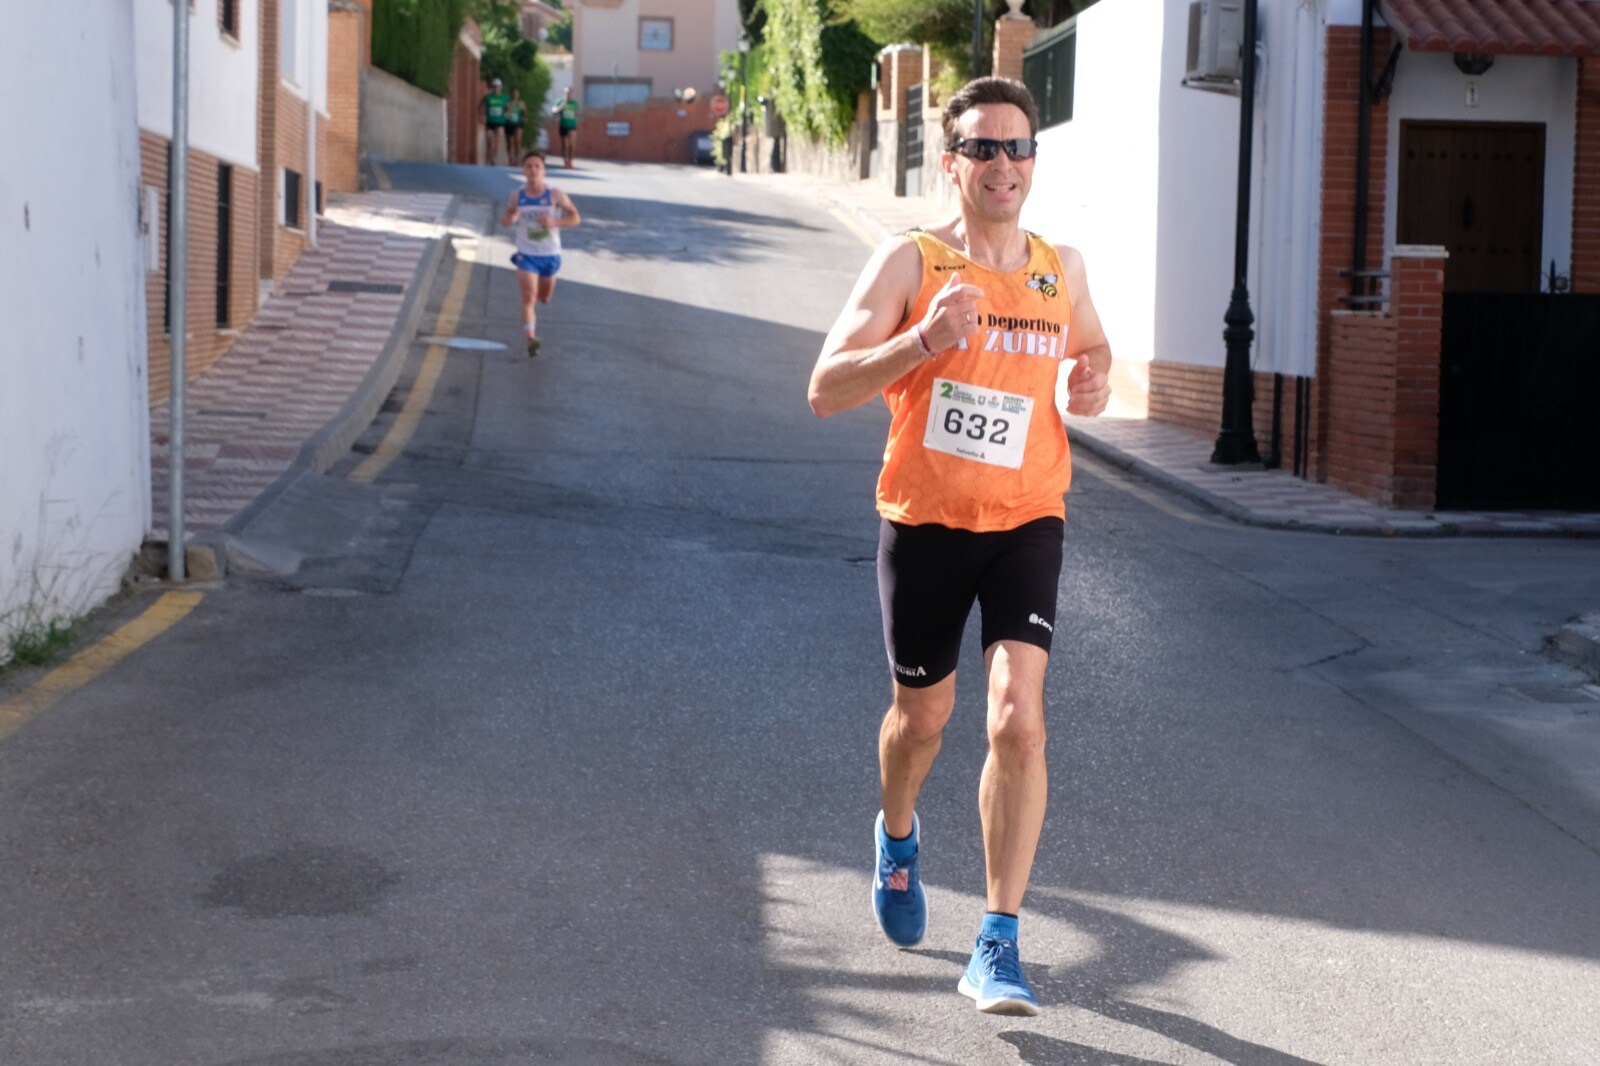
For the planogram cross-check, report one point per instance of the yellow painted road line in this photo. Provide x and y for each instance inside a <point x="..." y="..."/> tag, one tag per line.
<point x="854" y="227"/>
<point x="410" y="417"/>
<point x="1116" y="480"/>
<point x="382" y="176"/>
<point x="96" y="659"/>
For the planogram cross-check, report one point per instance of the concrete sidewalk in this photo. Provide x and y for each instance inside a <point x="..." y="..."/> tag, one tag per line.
<point x="1179" y="459"/>
<point x="311" y="370"/>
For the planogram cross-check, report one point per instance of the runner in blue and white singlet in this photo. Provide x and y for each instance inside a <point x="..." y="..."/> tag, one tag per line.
<point x="536" y="212"/>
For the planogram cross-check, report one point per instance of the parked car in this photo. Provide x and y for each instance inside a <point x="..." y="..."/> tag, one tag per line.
<point x="701" y="152"/>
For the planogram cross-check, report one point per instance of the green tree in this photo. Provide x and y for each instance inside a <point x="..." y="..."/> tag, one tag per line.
<point x="945" y="26"/>
<point x="819" y="62"/>
<point x="511" y="57"/>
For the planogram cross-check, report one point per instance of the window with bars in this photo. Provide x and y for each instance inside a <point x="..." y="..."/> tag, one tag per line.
<point x="1048" y="66"/>
<point x="224" y="242"/>
<point x="291" y="198"/>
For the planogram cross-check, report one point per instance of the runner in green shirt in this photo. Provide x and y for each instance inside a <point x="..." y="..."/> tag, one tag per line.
<point x="516" y="112"/>
<point x="566" y="112"/>
<point x="493" y="109"/>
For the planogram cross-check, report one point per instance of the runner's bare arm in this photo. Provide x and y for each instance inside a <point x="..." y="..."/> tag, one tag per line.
<point x="509" y="215"/>
<point x="569" y="211"/>
<point x="1088" y="384"/>
<point x="862" y="356"/>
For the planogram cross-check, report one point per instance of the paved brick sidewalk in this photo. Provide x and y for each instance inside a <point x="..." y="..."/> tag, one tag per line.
<point x="1180" y="460"/>
<point x="300" y="361"/>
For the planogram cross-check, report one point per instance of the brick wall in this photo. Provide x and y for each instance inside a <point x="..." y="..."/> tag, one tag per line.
<point x="347" y="37"/>
<point x="1586" y="182"/>
<point x="1011" y="36"/>
<point x="656" y="132"/>
<point x="1383" y="385"/>
<point x="207" y="341"/>
<point x="287" y="242"/>
<point x="1189" y="396"/>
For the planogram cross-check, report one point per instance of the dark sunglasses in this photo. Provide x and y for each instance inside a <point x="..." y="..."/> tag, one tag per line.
<point x="984" y="149"/>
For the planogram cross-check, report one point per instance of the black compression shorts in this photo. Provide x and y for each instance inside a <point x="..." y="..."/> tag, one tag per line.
<point x="929" y="575"/>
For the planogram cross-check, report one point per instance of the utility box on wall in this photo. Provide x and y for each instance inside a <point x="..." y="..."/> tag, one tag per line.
<point x="1216" y="45"/>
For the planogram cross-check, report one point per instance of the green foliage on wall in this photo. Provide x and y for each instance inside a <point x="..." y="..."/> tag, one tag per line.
<point x="415" y="39"/>
<point x="819" y="63"/>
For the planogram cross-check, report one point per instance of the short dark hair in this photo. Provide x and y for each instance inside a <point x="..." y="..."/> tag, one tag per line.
<point x="533" y="153"/>
<point x="989" y="91"/>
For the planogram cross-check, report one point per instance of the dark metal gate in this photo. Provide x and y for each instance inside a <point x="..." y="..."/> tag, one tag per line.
<point x="1519" y="402"/>
<point x="911" y="141"/>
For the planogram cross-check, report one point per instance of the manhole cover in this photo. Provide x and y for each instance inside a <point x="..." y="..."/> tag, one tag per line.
<point x="466" y="344"/>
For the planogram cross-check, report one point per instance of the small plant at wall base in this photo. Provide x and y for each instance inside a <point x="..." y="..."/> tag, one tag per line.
<point x="39" y="643"/>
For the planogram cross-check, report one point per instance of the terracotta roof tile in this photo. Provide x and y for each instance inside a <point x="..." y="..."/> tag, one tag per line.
<point x="1497" y="27"/>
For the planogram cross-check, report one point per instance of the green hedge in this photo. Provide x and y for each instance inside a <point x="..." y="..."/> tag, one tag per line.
<point x="415" y="39"/>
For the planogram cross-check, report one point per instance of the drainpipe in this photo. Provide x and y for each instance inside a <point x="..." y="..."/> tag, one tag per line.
<point x="311" y="124"/>
<point x="178" y="286"/>
<point x="1358" y="258"/>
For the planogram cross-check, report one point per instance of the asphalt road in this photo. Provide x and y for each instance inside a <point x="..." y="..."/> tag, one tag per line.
<point x="559" y="744"/>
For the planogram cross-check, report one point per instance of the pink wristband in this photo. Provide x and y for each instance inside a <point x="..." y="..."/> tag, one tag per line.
<point x="922" y="342"/>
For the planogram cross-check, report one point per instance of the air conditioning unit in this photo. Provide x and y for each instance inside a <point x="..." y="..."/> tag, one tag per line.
<point x="1216" y="45"/>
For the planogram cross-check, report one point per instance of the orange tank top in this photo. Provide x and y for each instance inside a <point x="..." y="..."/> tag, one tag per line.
<point x="975" y="439"/>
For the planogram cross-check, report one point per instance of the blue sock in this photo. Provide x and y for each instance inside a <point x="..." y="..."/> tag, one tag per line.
<point x="897" y="850"/>
<point x="998" y="926"/>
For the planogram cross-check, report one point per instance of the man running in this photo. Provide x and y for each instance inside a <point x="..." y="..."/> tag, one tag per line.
<point x="515" y="114"/>
<point x="538" y="211"/>
<point x="963" y="328"/>
<point x="493" y="110"/>
<point x="566" y="112"/>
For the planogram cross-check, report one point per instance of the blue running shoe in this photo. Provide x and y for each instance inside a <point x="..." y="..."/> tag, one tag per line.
<point x="994" y="979"/>
<point x="897" y="896"/>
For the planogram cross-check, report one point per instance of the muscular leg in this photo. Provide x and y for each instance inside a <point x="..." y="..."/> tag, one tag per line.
<point x="907" y="744"/>
<point x="528" y="282"/>
<point x="547" y="288"/>
<point x="1012" y="792"/>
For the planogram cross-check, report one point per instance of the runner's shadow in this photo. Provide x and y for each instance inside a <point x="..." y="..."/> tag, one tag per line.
<point x="1040" y="1050"/>
<point x="1131" y="954"/>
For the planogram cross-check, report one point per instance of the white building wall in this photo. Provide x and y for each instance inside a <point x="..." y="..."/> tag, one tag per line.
<point x="74" y="418"/>
<point x="222" y="77"/>
<point x="1427" y="86"/>
<point x="1095" y="184"/>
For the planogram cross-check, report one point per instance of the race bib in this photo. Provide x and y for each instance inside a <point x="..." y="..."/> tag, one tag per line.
<point x="984" y="425"/>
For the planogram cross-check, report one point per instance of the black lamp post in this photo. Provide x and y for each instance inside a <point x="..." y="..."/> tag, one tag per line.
<point x="744" y="107"/>
<point x="1236" y="443"/>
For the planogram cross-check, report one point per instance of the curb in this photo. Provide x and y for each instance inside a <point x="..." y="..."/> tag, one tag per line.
<point x="328" y="444"/>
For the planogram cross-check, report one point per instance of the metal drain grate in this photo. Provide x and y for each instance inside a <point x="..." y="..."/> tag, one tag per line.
<point x="387" y="288"/>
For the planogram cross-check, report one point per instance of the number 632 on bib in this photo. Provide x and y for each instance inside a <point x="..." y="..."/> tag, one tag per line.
<point x="972" y="422"/>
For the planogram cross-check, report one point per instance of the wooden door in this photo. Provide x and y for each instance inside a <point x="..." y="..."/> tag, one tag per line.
<point x="1477" y="188"/>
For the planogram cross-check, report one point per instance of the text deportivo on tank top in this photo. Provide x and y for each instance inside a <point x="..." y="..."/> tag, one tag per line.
<point x="975" y="439"/>
<point x="535" y="235"/>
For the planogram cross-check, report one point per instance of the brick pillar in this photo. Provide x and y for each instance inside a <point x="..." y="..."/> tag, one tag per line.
<point x="346" y="37"/>
<point x="1340" y="119"/>
<point x="1012" y="33"/>
<point x="1416" y="303"/>
<point x="1586" y="182"/>
<point x="267" y="139"/>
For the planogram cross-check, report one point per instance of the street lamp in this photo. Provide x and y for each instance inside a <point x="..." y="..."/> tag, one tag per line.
<point x="744" y="89"/>
<point x="1236" y="441"/>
